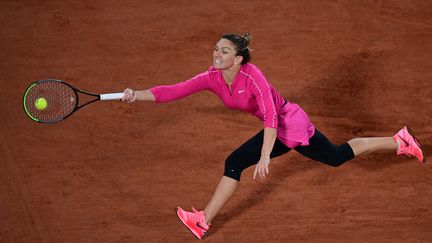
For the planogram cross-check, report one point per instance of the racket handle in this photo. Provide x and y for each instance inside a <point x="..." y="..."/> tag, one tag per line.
<point x="111" y="96"/>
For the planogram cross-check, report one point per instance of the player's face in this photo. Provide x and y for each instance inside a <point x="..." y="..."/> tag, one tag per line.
<point x="224" y="55"/>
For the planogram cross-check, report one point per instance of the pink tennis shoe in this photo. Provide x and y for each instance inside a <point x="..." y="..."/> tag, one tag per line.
<point x="408" y="144"/>
<point x="194" y="221"/>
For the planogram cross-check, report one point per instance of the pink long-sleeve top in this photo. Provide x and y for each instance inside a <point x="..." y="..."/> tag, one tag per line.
<point x="252" y="93"/>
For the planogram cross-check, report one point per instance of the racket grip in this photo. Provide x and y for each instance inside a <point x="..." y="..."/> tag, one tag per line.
<point x="111" y="96"/>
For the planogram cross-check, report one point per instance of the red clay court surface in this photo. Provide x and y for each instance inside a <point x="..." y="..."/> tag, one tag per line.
<point x="115" y="172"/>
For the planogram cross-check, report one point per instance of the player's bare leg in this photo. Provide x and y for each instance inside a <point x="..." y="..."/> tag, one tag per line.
<point x="361" y="146"/>
<point x="225" y="189"/>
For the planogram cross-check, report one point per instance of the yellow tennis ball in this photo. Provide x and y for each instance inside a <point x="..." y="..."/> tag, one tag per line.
<point x="41" y="104"/>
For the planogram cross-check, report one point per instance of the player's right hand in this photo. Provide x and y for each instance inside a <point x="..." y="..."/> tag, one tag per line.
<point x="129" y="95"/>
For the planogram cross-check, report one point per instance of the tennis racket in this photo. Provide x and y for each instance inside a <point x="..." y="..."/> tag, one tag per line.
<point x="52" y="100"/>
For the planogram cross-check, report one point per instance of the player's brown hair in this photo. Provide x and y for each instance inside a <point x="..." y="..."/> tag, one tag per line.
<point x="241" y="42"/>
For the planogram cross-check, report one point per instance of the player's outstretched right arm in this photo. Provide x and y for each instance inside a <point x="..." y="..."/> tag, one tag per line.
<point x="142" y="95"/>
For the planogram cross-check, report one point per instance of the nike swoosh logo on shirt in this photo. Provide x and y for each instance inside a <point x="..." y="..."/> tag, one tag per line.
<point x="240" y="91"/>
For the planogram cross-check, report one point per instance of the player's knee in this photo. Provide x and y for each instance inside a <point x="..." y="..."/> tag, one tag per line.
<point x="336" y="159"/>
<point x="232" y="169"/>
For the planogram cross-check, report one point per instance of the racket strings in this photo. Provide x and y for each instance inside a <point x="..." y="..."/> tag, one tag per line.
<point x="61" y="101"/>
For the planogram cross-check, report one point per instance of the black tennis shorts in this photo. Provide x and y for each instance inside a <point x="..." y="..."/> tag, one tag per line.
<point x="319" y="149"/>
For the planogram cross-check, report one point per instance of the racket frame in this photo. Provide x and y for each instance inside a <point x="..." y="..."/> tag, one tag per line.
<point x="77" y="104"/>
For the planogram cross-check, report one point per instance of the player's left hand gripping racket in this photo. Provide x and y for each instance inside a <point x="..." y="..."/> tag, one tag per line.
<point x="51" y="100"/>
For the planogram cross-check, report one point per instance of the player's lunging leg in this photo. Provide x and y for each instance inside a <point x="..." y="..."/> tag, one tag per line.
<point x="361" y="146"/>
<point x="403" y="142"/>
<point x="225" y="189"/>
<point x="198" y="222"/>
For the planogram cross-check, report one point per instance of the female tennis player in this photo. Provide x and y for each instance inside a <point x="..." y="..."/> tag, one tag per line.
<point x="241" y="85"/>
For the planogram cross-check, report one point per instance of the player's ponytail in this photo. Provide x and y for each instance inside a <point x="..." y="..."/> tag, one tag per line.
<point x="241" y="42"/>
